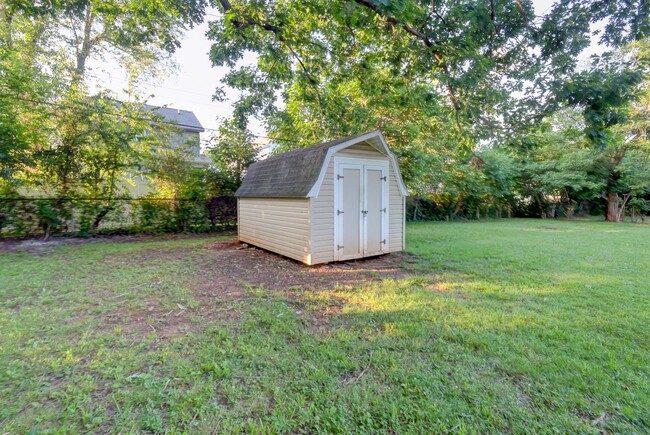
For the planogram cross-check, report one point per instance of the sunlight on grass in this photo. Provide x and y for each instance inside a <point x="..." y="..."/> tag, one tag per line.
<point x="503" y="326"/>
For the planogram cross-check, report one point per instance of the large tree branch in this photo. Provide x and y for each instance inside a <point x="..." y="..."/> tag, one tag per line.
<point x="227" y="7"/>
<point x="370" y="4"/>
<point x="413" y="31"/>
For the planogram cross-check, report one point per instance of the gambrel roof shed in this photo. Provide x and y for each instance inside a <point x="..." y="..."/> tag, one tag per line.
<point x="334" y="201"/>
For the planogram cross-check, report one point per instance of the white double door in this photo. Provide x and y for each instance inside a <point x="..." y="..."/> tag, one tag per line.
<point x="360" y="208"/>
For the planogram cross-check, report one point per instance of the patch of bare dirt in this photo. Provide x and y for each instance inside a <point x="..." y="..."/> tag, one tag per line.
<point x="224" y="271"/>
<point x="38" y="245"/>
<point x="229" y="268"/>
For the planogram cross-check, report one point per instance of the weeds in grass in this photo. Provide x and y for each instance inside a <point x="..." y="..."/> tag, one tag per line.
<point x="502" y="327"/>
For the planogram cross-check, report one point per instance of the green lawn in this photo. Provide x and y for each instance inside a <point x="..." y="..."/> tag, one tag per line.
<point x="524" y="326"/>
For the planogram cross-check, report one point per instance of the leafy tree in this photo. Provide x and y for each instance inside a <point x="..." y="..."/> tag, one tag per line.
<point x="606" y="93"/>
<point x="439" y="78"/>
<point x="635" y="180"/>
<point x="346" y="65"/>
<point x="90" y="141"/>
<point x="180" y="186"/>
<point x="135" y="32"/>
<point x="557" y="167"/>
<point x="500" y="172"/>
<point x="233" y="150"/>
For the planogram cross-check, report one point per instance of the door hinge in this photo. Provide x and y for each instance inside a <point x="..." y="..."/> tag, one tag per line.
<point x="339" y="247"/>
<point x="338" y="177"/>
<point x="383" y="210"/>
<point x="339" y="212"/>
<point x="383" y="178"/>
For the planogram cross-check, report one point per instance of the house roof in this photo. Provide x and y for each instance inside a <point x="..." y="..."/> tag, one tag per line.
<point x="184" y="119"/>
<point x="299" y="173"/>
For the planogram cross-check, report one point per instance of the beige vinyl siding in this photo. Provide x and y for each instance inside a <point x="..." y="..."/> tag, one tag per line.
<point x="322" y="222"/>
<point x="362" y="151"/>
<point x="396" y="211"/>
<point x="276" y="224"/>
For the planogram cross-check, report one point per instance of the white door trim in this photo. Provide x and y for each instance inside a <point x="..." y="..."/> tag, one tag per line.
<point x="339" y="167"/>
<point x="383" y="167"/>
<point x="363" y="165"/>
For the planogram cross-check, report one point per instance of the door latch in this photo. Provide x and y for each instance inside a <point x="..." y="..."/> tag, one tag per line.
<point x="339" y="212"/>
<point x="383" y="178"/>
<point x="364" y="212"/>
<point x="383" y="242"/>
<point x="338" y="177"/>
<point x="383" y="210"/>
<point x="339" y="247"/>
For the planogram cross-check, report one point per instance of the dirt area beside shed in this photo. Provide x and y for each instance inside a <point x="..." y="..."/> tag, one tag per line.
<point x="230" y="267"/>
<point x="172" y="289"/>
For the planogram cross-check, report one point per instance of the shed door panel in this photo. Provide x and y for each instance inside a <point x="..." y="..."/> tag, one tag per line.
<point x="350" y="245"/>
<point x="373" y="211"/>
<point x="361" y="208"/>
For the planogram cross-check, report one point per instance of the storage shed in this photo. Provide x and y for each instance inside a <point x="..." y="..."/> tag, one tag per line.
<point x="335" y="201"/>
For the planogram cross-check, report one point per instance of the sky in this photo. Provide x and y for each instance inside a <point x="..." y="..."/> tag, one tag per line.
<point x="189" y="86"/>
<point x="192" y="84"/>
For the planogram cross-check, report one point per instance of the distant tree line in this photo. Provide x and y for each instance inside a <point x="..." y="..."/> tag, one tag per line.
<point x="486" y="105"/>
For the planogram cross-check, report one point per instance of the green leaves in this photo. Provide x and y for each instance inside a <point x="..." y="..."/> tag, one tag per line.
<point x="232" y="150"/>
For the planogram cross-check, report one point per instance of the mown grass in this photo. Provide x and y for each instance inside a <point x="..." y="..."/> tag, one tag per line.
<point x="506" y="326"/>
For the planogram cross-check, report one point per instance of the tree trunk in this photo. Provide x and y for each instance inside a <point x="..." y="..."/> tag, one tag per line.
<point x="83" y="52"/>
<point x="613" y="212"/>
<point x="612" y="207"/>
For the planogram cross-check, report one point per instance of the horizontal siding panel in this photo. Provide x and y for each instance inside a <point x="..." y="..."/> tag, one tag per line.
<point x="362" y="153"/>
<point x="323" y="208"/>
<point x="276" y="211"/>
<point x="278" y="225"/>
<point x="323" y="259"/>
<point x="271" y="241"/>
<point x="274" y="221"/>
<point x="274" y="245"/>
<point x="285" y="242"/>
<point x="268" y="241"/>
<point x="279" y="232"/>
<point x="283" y="211"/>
<point x="324" y="251"/>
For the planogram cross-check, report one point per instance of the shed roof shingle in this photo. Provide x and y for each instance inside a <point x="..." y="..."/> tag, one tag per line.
<point x="287" y="175"/>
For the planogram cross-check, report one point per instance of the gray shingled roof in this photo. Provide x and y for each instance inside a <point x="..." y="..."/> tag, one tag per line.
<point x="287" y="175"/>
<point x="184" y="119"/>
